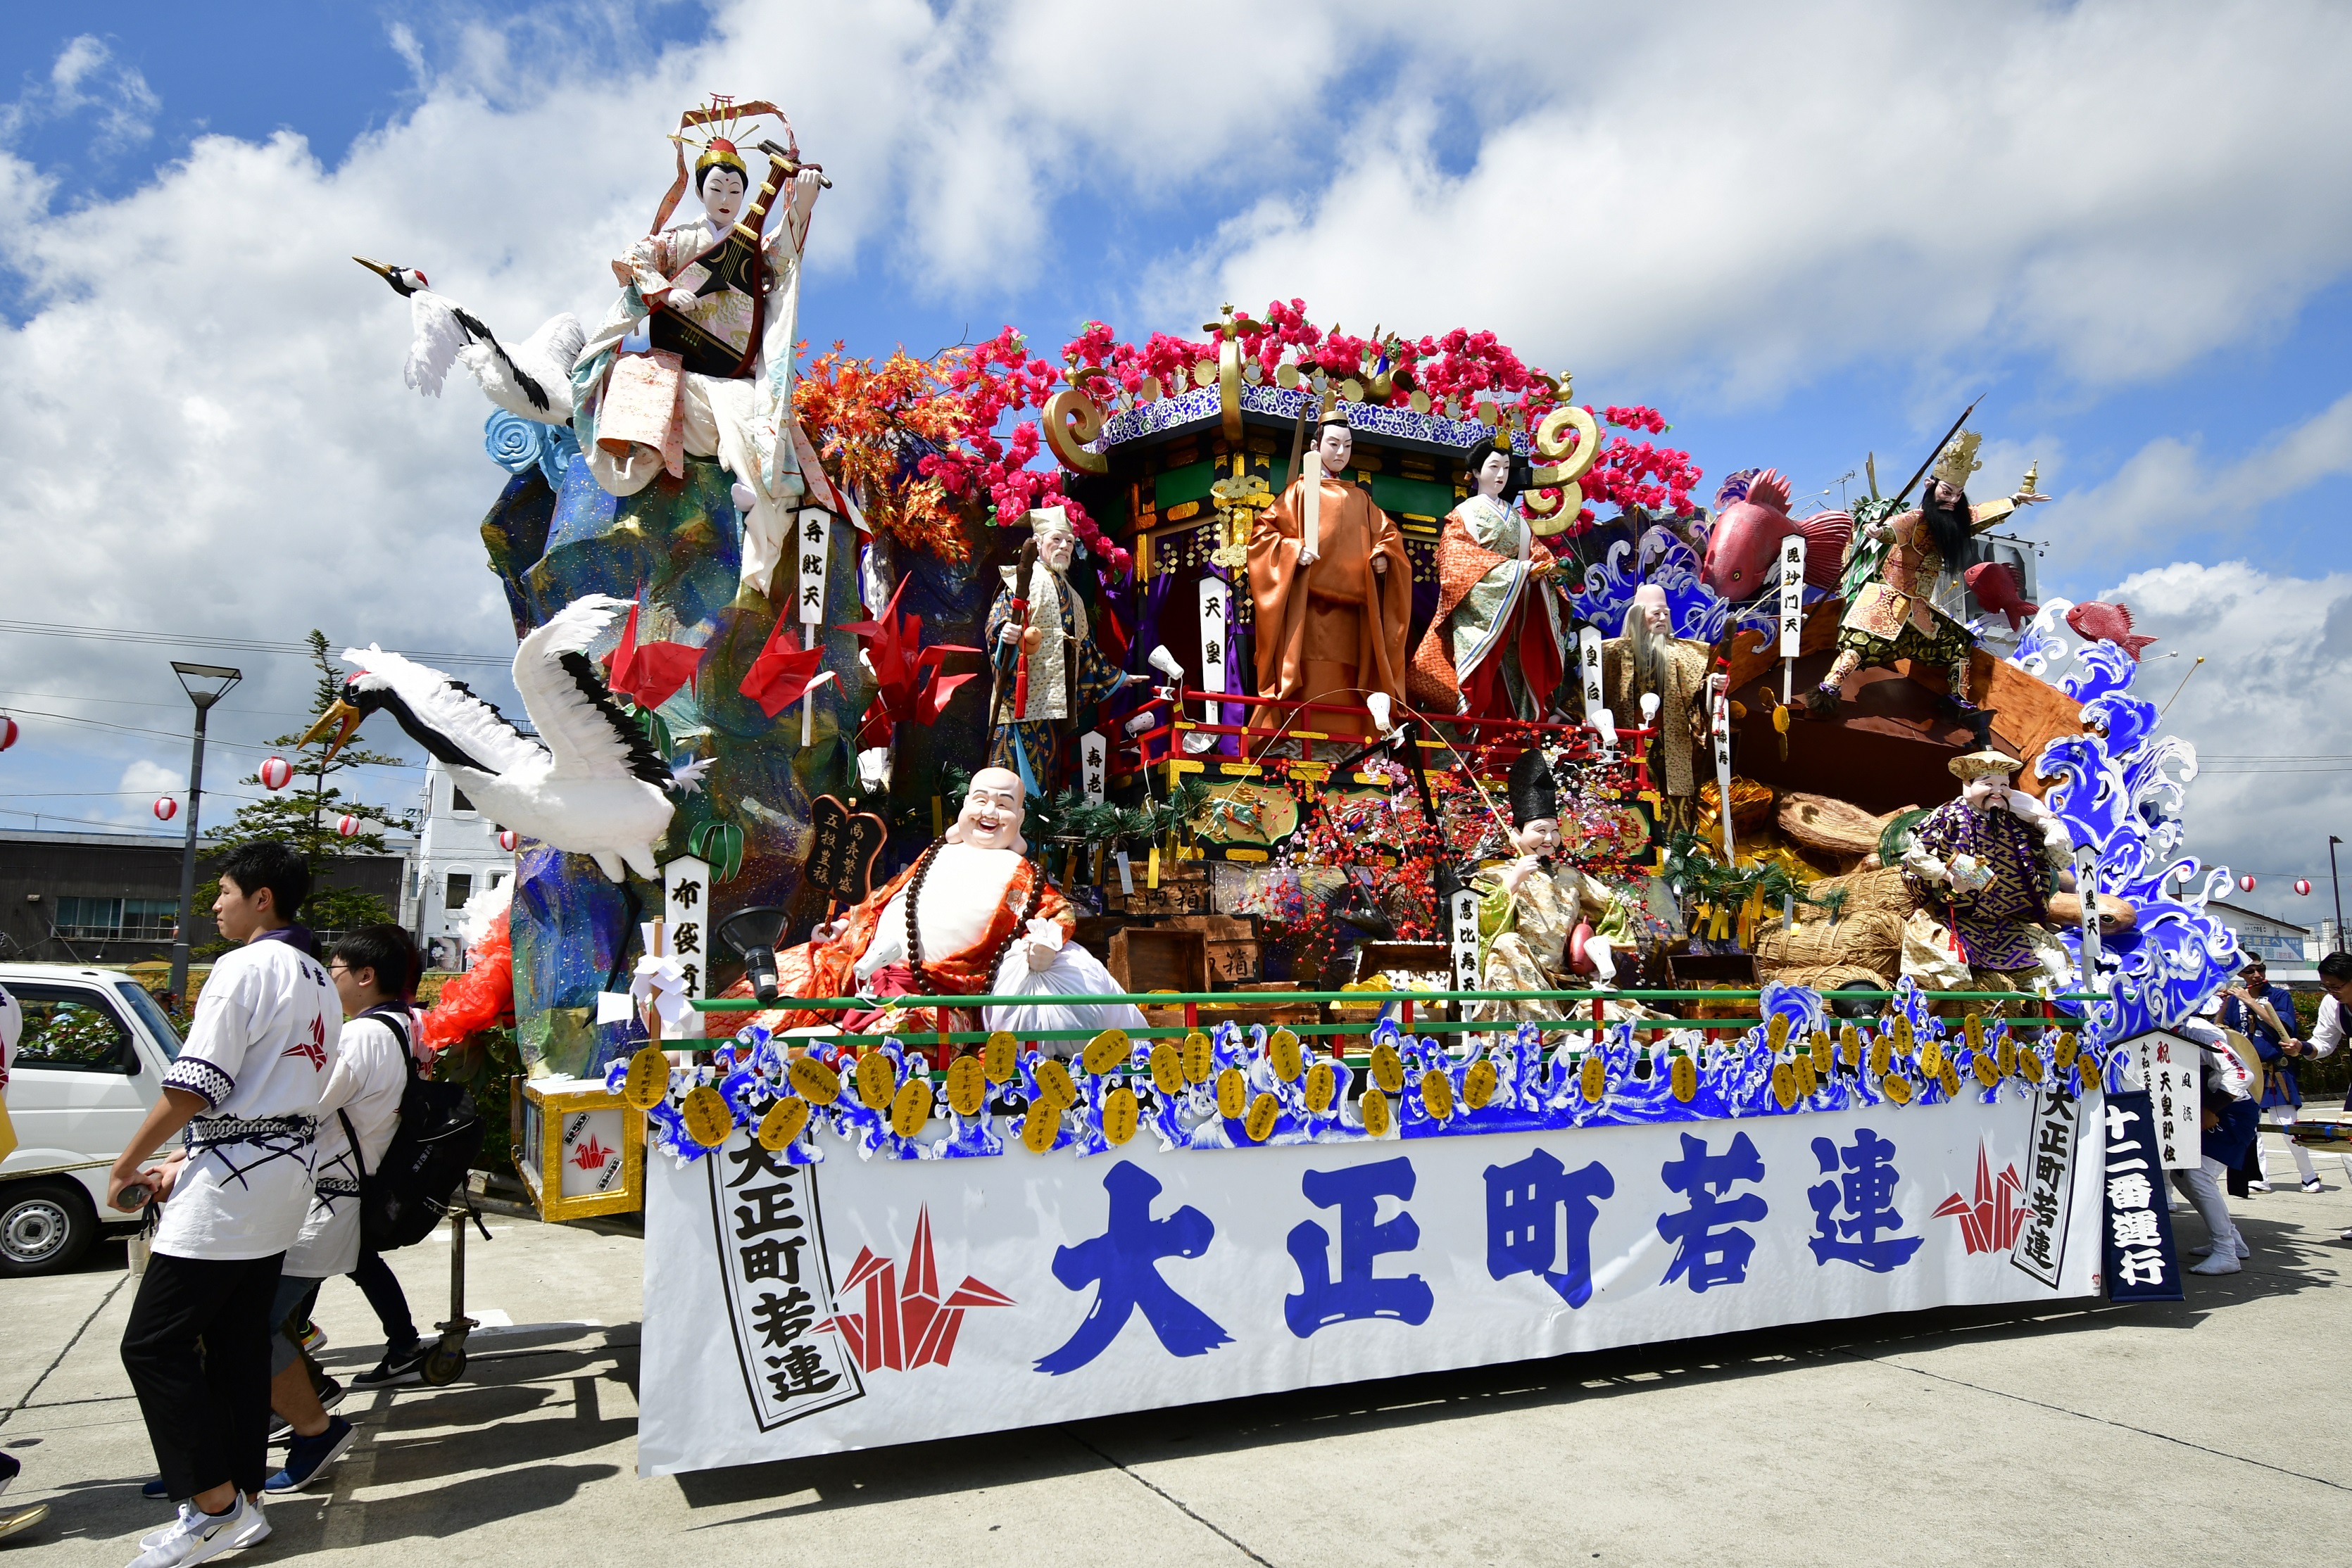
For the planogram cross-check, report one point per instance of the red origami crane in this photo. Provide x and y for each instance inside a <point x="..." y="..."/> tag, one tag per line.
<point x="650" y="672"/>
<point x="905" y="1326"/>
<point x="913" y="691"/>
<point x="782" y="673"/>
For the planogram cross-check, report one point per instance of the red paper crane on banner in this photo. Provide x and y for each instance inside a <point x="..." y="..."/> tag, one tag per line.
<point x="1991" y="1224"/>
<point x="781" y="674"/>
<point x="913" y="691"/>
<point x="904" y="1327"/>
<point x="649" y="672"/>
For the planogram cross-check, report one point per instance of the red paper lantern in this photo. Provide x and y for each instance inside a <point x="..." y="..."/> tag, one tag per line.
<point x="7" y="732"/>
<point x="507" y="839"/>
<point x="166" y="808"/>
<point x="2246" y="882"/>
<point x="2303" y="887"/>
<point x="275" y="773"/>
<point x="347" y="826"/>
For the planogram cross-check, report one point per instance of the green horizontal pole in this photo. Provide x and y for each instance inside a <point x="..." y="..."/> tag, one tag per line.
<point x="1284" y="998"/>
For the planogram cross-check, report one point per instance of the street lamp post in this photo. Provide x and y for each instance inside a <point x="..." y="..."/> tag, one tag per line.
<point x="2332" y="842"/>
<point x="206" y="684"/>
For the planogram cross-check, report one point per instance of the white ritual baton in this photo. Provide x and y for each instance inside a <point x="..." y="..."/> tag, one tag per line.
<point x="798" y="1308"/>
<point x="1310" y="501"/>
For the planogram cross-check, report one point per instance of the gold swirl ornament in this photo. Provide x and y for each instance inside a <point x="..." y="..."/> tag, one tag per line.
<point x="1262" y="1111"/>
<point x="704" y="1112"/>
<point x="1437" y="1094"/>
<point x="1232" y="1094"/>
<point x="877" y="1081"/>
<point x="1283" y="1051"/>
<point x="1592" y="1079"/>
<point x="1850" y="1047"/>
<point x="1562" y="467"/>
<point x="783" y="1123"/>
<point x="649" y="1080"/>
<point x="816" y="1081"/>
<point x="1388" y="1069"/>
<point x="1683" y="1073"/>
<point x="1040" y="1127"/>
<point x="998" y="1055"/>
<point x="967" y="1086"/>
<point x="1167" y="1068"/>
<point x="1479" y="1083"/>
<point x="1322" y="1087"/>
<point x="1119" y="1114"/>
<point x="1053" y="1083"/>
<point x="1374" y="1108"/>
<point x="1072" y="419"/>
<point x="1784" y="1085"/>
<point x="1200" y="1057"/>
<point x="910" y="1112"/>
<point x="2067" y="1046"/>
<point x="1897" y="1088"/>
<point x="1108" y="1049"/>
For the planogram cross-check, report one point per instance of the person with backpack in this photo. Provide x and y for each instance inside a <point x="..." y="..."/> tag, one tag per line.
<point x="374" y="969"/>
<point x="245" y="1088"/>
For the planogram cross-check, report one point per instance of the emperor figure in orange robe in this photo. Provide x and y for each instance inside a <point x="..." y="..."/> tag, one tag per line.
<point x="1330" y="621"/>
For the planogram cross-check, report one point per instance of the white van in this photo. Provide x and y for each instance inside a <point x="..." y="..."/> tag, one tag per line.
<point x="90" y="1064"/>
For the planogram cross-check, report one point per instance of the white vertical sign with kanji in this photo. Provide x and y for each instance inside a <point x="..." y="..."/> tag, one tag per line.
<point x="1094" y="759"/>
<point x="685" y="934"/>
<point x="1464" y="921"/>
<point x="1792" y="594"/>
<point x="1588" y="664"/>
<point x="1719" y="714"/>
<point x="1216" y="625"/>
<point x="813" y="546"/>
<point x="2170" y="1068"/>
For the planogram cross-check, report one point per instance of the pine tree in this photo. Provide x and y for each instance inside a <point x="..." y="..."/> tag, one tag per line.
<point x="306" y="813"/>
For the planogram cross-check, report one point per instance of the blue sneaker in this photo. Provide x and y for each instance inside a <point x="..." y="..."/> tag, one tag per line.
<point x="308" y="1457"/>
<point x="155" y="1489"/>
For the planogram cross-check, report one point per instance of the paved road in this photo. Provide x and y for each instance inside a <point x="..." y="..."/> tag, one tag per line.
<point x="2195" y="1433"/>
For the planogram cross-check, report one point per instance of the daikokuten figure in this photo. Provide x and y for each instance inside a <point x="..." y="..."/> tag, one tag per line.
<point x="1332" y="610"/>
<point x="696" y="355"/>
<point x="1890" y="612"/>
<point x="1495" y="647"/>
<point x="1047" y="664"/>
<point x="1981" y="864"/>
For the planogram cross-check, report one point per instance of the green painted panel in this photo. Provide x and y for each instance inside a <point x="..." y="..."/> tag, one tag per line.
<point x="1420" y="498"/>
<point x="1190" y="483"/>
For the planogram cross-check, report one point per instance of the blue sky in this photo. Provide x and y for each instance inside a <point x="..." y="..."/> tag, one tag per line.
<point x="2145" y="274"/>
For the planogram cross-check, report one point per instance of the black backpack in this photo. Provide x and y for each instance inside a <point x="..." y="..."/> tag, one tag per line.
<point x="440" y="1133"/>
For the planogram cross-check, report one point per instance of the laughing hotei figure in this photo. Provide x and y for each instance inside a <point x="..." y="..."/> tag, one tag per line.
<point x="1331" y="621"/>
<point x="1038" y="614"/>
<point x="1648" y="660"/>
<point x="696" y="356"/>
<point x="1495" y="647"/>
<point x="1982" y="864"/>
<point x="1543" y="924"/>
<point x="1890" y="612"/>
<point x="972" y="913"/>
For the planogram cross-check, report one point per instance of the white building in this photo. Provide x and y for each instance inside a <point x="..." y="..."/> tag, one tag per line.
<point x="457" y="856"/>
<point x="2289" y="951"/>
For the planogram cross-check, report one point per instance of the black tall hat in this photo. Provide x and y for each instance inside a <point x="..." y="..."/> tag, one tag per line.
<point x="1535" y="797"/>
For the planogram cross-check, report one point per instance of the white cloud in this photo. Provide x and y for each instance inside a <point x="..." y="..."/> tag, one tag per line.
<point x="2266" y="712"/>
<point x="86" y="77"/>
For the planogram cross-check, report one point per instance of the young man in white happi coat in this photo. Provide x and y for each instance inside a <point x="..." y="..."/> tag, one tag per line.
<point x="246" y="1089"/>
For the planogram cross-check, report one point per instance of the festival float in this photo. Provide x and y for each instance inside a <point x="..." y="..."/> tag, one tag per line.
<point x="1272" y="858"/>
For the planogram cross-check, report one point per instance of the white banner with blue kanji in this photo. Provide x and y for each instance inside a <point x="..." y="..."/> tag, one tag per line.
<point x="795" y="1309"/>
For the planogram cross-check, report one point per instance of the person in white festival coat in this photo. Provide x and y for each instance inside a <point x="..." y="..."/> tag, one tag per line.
<point x="245" y="1096"/>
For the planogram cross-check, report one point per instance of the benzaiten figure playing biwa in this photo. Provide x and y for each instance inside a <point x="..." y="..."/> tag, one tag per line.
<point x="1891" y="565"/>
<point x="1495" y="647"/>
<point x="1333" y="594"/>
<point x="1047" y="664"/>
<point x="696" y="355"/>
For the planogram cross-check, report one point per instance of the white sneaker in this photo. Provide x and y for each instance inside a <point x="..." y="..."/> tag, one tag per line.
<point x="2258" y="1186"/>
<point x="2313" y="1185"/>
<point x="258" y="1530"/>
<point x="2218" y="1263"/>
<point x="197" y="1537"/>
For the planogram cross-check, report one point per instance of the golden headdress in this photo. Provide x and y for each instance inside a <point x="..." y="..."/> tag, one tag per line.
<point x="1958" y="460"/>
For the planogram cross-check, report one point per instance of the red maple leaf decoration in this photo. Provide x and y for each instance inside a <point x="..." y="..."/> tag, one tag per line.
<point x="911" y="688"/>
